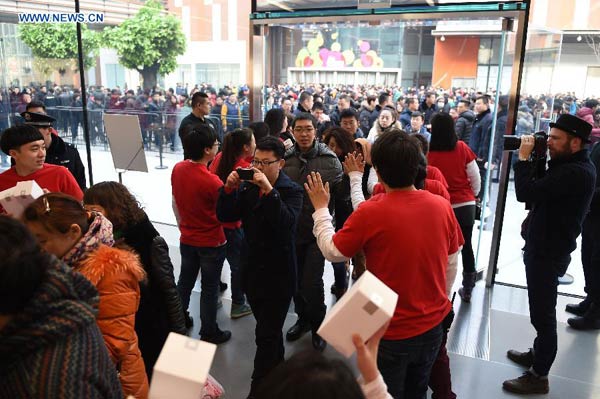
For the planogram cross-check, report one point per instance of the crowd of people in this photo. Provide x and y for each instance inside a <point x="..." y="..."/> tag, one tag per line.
<point x="367" y="178"/>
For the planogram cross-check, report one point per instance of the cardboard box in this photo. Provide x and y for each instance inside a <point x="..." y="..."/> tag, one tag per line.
<point x="363" y="310"/>
<point x="15" y="199"/>
<point x="182" y="368"/>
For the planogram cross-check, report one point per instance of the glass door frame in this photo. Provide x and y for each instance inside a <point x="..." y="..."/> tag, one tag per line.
<point x="516" y="11"/>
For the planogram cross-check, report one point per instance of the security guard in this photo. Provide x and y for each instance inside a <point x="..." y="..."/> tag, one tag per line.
<point x="58" y="152"/>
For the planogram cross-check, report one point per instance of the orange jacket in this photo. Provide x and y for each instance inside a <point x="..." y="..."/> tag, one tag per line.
<point x="116" y="274"/>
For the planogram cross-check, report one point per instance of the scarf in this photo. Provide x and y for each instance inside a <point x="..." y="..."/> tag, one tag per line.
<point x="100" y="232"/>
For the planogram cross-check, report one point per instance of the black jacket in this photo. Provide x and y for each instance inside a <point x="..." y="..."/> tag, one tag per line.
<point x="65" y="154"/>
<point x="464" y="125"/>
<point x="498" y="145"/>
<point x="560" y="200"/>
<point x="482" y="127"/>
<point x="160" y="310"/>
<point x="268" y="251"/>
<point x="427" y="111"/>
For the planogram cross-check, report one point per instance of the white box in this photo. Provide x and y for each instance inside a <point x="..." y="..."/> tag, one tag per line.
<point x="363" y="310"/>
<point x="15" y="199"/>
<point x="182" y="368"/>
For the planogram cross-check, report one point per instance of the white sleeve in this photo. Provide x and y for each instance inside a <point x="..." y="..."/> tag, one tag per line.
<point x="372" y="136"/>
<point x="356" y="192"/>
<point x="175" y="211"/>
<point x="474" y="177"/>
<point x="451" y="270"/>
<point x="324" y="231"/>
<point x="372" y="180"/>
<point x="375" y="389"/>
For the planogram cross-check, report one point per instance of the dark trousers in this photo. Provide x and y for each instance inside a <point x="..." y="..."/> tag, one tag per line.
<point x="310" y="299"/>
<point x="590" y="256"/>
<point x="465" y="215"/>
<point x="340" y="275"/>
<point x="233" y="256"/>
<point x="542" y="289"/>
<point x="209" y="262"/>
<point x="406" y="364"/>
<point x="270" y="314"/>
<point x="440" y="380"/>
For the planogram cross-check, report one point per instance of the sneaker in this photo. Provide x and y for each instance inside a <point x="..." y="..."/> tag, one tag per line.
<point x="528" y="383"/>
<point x="524" y="359"/>
<point x="219" y="338"/>
<point x="238" y="311"/>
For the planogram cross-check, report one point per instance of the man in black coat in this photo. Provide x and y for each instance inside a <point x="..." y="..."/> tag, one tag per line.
<point x="559" y="202"/>
<point x="464" y="122"/>
<point x="588" y="311"/>
<point x="269" y="206"/>
<point x="58" y="152"/>
<point x="199" y="117"/>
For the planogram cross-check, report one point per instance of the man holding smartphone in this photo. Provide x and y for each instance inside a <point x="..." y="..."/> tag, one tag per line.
<point x="269" y="203"/>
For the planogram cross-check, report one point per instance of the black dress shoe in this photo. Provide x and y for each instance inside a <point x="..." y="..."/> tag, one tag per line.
<point x="297" y="331"/>
<point x="318" y="343"/>
<point x="219" y="338"/>
<point x="589" y="321"/>
<point x="525" y="359"/>
<point x="580" y="308"/>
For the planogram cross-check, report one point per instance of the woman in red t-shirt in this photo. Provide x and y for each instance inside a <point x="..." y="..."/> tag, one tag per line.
<point x="238" y="150"/>
<point x="457" y="163"/>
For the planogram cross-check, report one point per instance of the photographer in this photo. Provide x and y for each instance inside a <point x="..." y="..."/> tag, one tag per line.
<point x="269" y="205"/>
<point x="559" y="201"/>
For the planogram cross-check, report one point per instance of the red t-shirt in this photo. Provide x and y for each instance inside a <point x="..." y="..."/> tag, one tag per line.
<point x="54" y="178"/>
<point x="241" y="163"/>
<point x="406" y="237"/>
<point x="434" y="173"/>
<point x="196" y="191"/>
<point x="436" y="187"/>
<point x="453" y="165"/>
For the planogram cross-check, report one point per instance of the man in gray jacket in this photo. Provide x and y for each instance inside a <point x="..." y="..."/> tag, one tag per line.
<point x="306" y="156"/>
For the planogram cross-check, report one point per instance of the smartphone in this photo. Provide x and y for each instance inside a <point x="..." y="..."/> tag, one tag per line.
<point x="245" y="174"/>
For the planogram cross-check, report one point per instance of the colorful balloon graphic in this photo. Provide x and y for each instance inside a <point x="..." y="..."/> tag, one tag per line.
<point x="336" y="47"/>
<point x="348" y="57"/>
<point x="364" y="46"/>
<point x="323" y="54"/>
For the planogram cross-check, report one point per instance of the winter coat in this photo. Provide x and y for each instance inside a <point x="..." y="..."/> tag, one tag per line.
<point x="116" y="274"/>
<point x="365" y="117"/>
<point x="53" y="348"/>
<point x="524" y="123"/>
<point x="405" y="117"/>
<point x="587" y="114"/>
<point x="160" y="309"/>
<point x="464" y="125"/>
<point x="427" y="111"/>
<point x="498" y="139"/>
<point x="65" y="154"/>
<point x="268" y="253"/>
<point x="482" y="127"/>
<point x="560" y="200"/>
<point x="298" y="166"/>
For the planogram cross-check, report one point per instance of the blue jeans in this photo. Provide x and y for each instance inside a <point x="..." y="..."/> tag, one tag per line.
<point x="406" y="364"/>
<point x="209" y="261"/>
<point x="233" y="255"/>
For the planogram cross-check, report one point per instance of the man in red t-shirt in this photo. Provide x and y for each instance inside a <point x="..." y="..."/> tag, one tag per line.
<point x="25" y="144"/>
<point x="202" y="243"/>
<point x="410" y="240"/>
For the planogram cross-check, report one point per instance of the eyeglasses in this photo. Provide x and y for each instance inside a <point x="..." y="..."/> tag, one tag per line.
<point x="256" y="162"/>
<point x="300" y="129"/>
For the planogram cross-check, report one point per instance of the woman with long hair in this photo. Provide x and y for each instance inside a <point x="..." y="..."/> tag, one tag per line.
<point x="279" y="124"/>
<point x="160" y="309"/>
<point x="387" y="119"/>
<point x="341" y="143"/>
<point x="238" y="151"/>
<point x="85" y="241"/>
<point x="458" y="164"/>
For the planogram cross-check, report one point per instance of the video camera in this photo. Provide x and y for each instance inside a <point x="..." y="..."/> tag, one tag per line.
<point x="512" y="143"/>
